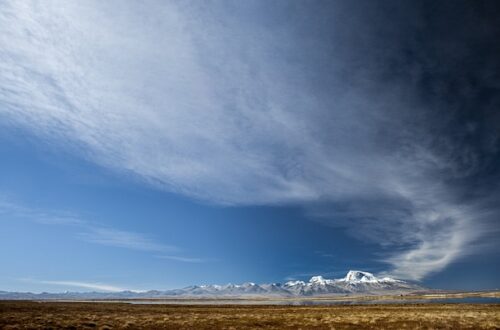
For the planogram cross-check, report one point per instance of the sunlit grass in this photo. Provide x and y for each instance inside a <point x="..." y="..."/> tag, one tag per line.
<point x="76" y="315"/>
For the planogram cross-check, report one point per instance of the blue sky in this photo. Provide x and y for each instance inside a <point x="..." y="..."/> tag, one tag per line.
<point x="68" y="220"/>
<point x="162" y="144"/>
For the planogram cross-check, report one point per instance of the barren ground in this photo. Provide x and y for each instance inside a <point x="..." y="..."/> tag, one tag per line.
<point x="105" y="315"/>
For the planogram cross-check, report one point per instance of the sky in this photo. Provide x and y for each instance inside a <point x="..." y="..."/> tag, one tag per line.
<point x="160" y="144"/>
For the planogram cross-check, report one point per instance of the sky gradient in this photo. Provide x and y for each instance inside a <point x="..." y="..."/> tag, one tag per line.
<point x="162" y="144"/>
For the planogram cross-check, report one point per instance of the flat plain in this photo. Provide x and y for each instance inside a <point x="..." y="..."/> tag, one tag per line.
<point x="111" y="315"/>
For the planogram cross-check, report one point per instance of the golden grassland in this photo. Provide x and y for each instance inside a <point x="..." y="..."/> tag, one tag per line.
<point x="107" y="315"/>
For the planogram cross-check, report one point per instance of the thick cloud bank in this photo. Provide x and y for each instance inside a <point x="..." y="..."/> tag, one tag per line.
<point x="380" y="118"/>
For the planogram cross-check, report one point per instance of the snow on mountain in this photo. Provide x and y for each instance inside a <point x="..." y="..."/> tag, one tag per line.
<point x="355" y="282"/>
<point x="320" y="280"/>
<point x="359" y="276"/>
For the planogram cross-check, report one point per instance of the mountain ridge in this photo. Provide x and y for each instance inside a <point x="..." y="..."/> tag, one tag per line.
<point x="355" y="282"/>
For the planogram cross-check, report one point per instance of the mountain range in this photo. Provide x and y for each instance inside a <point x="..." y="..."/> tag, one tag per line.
<point x="355" y="282"/>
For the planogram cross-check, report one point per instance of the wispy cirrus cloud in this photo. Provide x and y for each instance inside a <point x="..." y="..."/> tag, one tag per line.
<point x="123" y="239"/>
<point x="10" y="208"/>
<point x="184" y="259"/>
<point x="232" y="112"/>
<point x="79" y="284"/>
<point x="91" y="232"/>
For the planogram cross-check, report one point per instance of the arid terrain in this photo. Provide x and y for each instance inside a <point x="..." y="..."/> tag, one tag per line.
<point x="107" y="315"/>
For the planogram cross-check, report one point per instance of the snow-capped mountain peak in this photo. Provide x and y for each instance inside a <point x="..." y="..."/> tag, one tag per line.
<point x="293" y="283"/>
<point x="359" y="276"/>
<point x="355" y="281"/>
<point x="318" y="280"/>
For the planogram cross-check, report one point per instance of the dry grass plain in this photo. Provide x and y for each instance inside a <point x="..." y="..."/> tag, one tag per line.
<point x="101" y="315"/>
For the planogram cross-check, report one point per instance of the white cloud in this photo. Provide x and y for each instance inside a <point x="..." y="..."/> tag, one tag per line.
<point x="91" y="232"/>
<point x="78" y="284"/>
<point x="183" y="259"/>
<point x="123" y="239"/>
<point x="14" y="209"/>
<point x="222" y="113"/>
